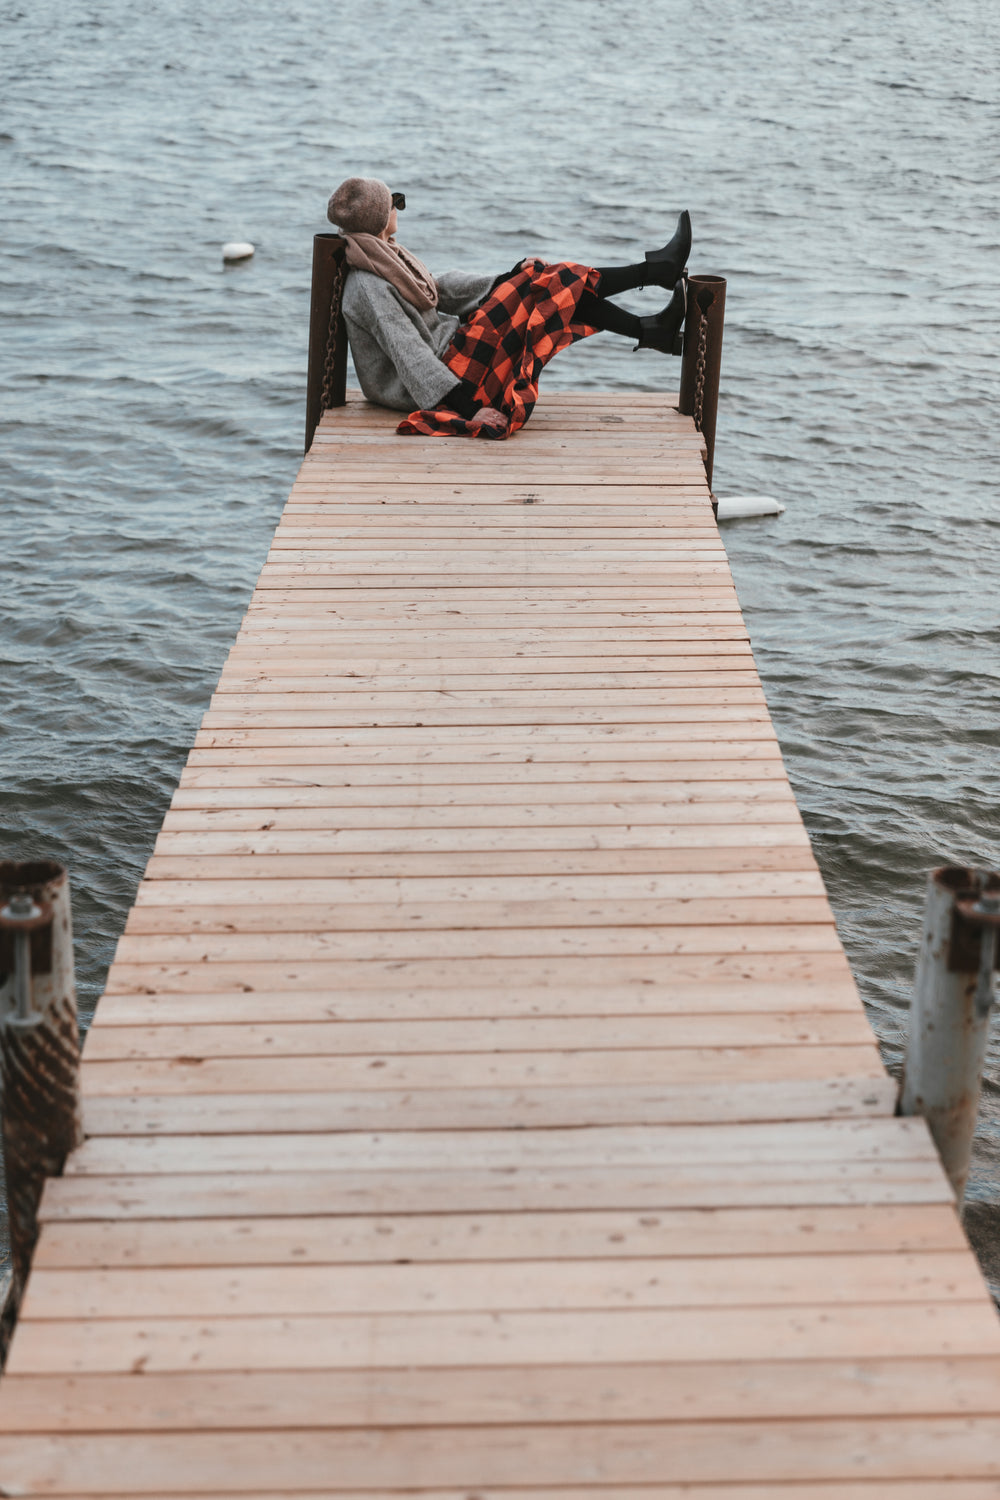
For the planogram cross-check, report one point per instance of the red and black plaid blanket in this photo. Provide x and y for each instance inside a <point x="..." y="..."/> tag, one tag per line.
<point x="503" y="348"/>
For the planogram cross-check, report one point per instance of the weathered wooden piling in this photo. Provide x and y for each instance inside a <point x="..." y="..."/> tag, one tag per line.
<point x="326" y="377"/>
<point x="39" y="1050"/>
<point x="702" y="361"/>
<point x="950" y="1012"/>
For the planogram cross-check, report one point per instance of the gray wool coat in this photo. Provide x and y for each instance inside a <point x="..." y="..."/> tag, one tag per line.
<point x="397" y="350"/>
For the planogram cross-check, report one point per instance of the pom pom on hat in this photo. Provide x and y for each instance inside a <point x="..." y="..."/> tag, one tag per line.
<point x="361" y="205"/>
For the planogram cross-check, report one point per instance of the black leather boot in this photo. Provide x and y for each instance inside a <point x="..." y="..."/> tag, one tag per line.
<point x="668" y="263"/>
<point x="663" y="330"/>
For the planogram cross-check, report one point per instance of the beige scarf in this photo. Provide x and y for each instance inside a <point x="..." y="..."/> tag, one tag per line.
<point x="394" y="264"/>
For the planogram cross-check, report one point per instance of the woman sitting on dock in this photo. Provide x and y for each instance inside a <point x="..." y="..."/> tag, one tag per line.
<point x="468" y="350"/>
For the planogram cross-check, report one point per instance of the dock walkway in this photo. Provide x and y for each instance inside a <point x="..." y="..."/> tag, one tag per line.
<point x="480" y="1104"/>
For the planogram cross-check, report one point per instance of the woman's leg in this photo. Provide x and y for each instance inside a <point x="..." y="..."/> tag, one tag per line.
<point x="659" y="331"/>
<point x="618" y="279"/>
<point x="606" y="316"/>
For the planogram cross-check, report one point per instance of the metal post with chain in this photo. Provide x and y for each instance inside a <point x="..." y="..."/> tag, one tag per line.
<point x="699" y="394"/>
<point x="327" y="378"/>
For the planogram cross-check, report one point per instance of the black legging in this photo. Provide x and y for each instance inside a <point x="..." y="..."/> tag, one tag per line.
<point x="595" y="309"/>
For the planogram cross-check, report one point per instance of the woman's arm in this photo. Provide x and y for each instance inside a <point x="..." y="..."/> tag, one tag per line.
<point x="461" y="292"/>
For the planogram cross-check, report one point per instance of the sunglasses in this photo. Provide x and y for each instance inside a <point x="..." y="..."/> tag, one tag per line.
<point x="399" y="200"/>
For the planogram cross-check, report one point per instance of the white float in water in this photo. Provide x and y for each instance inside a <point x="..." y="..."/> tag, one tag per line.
<point x="237" y="250"/>
<point x="732" y="507"/>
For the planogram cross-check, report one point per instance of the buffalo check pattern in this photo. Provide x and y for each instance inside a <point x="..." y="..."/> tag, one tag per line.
<point x="503" y="348"/>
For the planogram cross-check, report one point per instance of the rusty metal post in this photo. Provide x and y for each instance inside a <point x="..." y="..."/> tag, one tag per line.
<point x="326" y="383"/>
<point x="702" y="361"/>
<point x="39" y="1050"/>
<point x="950" y="1012"/>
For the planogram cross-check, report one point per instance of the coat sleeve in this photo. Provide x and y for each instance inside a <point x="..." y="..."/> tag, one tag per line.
<point x="418" y="367"/>
<point x="461" y="291"/>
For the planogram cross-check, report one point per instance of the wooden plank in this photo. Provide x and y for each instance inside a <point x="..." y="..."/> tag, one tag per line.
<point x="590" y="738"/>
<point x="741" y="712"/>
<point x="794" y="1148"/>
<point x="570" y="1033"/>
<point x="521" y="631"/>
<point x="536" y="637"/>
<point x="328" y="779"/>
<point x="634" y="558"/>
<point x="467" y="645"/>
<point x="297" y="1075"/>
<point x="569" y="1454"/>
<point x="495" y="571"/>
<point x="401" y="1002"/>
<point x="682" y="468"/>
<point x="526" y="864"/>
<point x="213" y="1195"/>
<point x="427" y="711"/>
<point x="456" y="647"/>
<point x="477" y="555"/>
<point x="696" y="630"/>
<point x="560" y="486"/>
<point x="229" y="752"/>
<point x="346" y="665"/>
<point x="392" y="1341"/>
<point x="332" y="608"/>
<point x="652" y="577"/>
<point x="366" y="1239"/>
<point x="564" y="541"/>
<point x="736" y="1098"/>
<point x="456" y="840"/>
<point x="335" y="976"/>
<point x="671" y="494"/>
<point x="741" y="1391"/>
<point x="415" y="813"/>
<point x="458" y="698"/>
<point x="506" y="785"/>
<point x="533" y="1285"/>
<point x="326" y="528"/>
<point x="545" y="438"/>
<point x="466" y="679"/>
<point x="961" y="1489"/>
<point x="348" y="747"/>
<point x="712" y="682"/>
<point x="666" y="439"/>
<point x="200" y="916"/>
<point x="514" y="942"/>
<point x="672" y="604"/>
<point x="819" y="1143"/>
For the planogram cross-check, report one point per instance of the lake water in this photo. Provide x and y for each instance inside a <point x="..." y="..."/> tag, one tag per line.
<point x="840" y="165"/>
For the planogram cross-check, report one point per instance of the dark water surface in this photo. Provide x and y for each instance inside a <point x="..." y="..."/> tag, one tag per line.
<point x="840" y="164"/>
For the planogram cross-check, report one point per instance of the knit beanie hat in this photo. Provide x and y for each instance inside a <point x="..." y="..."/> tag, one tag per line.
<point x="361" y="205"/>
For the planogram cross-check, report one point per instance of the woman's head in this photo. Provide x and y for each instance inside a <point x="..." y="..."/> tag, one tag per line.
<point x="363" y="205"/>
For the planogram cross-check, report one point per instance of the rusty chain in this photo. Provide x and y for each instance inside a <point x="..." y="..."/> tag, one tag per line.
<point x="326" y="394"/>
<point x="699" y="387"/>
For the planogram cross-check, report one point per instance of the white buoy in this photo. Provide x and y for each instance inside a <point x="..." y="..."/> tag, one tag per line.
<point x="732" y="507"/>
<point x="237" y="250"/>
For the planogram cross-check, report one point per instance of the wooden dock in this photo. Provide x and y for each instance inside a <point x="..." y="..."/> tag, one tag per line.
<point x="481" y="1107"/>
